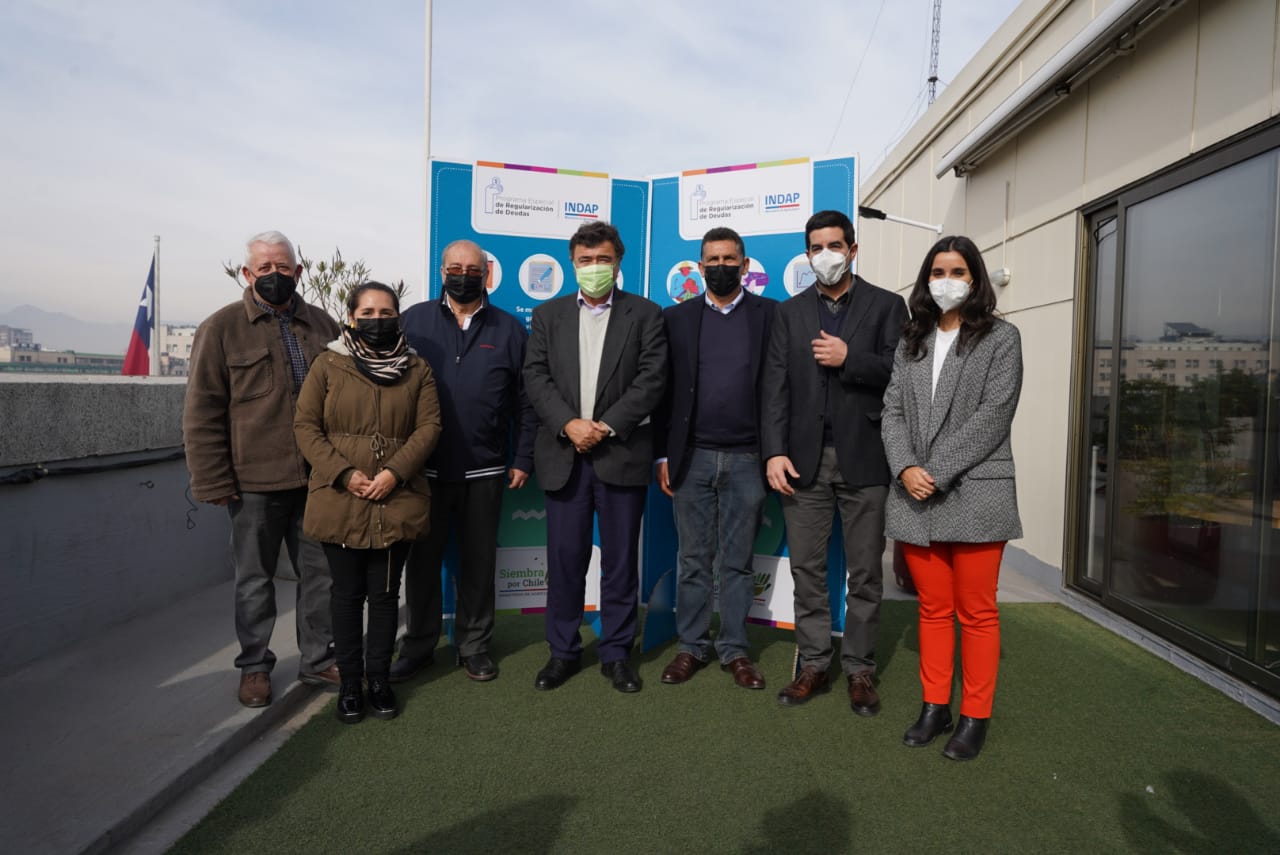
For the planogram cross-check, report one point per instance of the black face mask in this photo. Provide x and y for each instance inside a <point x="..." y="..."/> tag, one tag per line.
<point x="377" y="333"/>
<point x="276" y="288"/>
<point x="464" y="288"/>
<point x="722" y="279"/>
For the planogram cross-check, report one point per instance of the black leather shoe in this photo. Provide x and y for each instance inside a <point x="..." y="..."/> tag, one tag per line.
<point x="382" y="701"/>
<point x="622" y="675"/>
<point x="406" y="666"/>
<point x="350" y="703"/>
<point x="479" y="667"/>
<point x="934" y="719"/>
<point x="966" y="742"/>
<point x="555" y="673"/>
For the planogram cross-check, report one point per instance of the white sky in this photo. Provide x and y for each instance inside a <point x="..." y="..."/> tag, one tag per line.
<point x="205" y="122"/>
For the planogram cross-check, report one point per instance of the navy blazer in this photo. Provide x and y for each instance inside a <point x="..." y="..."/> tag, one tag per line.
<point x="675" y="417"/>
<point x="633" y="374"/>
<point x="795" y="386"/>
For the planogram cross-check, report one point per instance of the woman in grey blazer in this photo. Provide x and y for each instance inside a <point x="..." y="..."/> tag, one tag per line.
<point x="956" y="379"/>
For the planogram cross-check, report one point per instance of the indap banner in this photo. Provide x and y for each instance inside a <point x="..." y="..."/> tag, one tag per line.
<point x="768" y="204"/>
<point x="523" y="217"/>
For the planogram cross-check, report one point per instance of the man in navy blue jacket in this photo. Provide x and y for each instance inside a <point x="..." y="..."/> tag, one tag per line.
<point x="476" y="352"/>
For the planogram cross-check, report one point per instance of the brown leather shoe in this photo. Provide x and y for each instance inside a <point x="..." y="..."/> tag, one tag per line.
<point x="812" y="681"/>
<point x="255" y="688"/>
<point x="682" y="668"/>
<point x="862" y="694"/>
<point x="327" y="677"/>
<point x="745" y="673"/>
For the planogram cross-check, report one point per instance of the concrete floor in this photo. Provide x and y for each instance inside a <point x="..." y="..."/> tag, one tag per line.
<point x="101" y="736"/>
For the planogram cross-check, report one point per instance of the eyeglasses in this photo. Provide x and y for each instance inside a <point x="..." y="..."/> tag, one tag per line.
<point x="458" y="269"/>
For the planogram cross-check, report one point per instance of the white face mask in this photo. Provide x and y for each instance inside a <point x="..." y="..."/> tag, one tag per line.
<point x="829" y="266"/>
<point x="948" y="293"/>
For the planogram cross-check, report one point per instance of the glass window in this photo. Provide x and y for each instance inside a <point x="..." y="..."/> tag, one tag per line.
<point x="1178" y="498"/>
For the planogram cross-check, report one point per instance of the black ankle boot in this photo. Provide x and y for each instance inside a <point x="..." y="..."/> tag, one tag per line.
<point x="934" y="719"/>
<point x="967" y="741"/>
<point x="381" y="699"/>
<point x="350" y="702"/>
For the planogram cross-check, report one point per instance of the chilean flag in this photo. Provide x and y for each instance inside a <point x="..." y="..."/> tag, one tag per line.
<point x="137" y="361"/>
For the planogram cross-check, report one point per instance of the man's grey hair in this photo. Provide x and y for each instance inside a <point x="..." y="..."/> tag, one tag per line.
<point x="271" y="238"/>
<point x="464" y="243"/>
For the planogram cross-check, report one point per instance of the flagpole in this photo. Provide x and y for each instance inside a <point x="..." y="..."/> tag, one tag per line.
<point x="426" y="157"/>
<point x="155" y="315"/>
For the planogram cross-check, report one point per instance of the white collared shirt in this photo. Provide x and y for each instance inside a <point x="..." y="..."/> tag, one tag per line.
<point x="600" y="309"/>
<point x="724" y="310"/>
<point x="466" y="319"/>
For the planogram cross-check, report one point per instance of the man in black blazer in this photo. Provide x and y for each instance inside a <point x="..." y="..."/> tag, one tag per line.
<point x="594" y="371"/>
<point x="829" y="360"/>
<point x="708" y="444"/>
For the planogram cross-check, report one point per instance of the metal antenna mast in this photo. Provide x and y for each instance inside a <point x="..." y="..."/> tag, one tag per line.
<point x="933" y="51"/>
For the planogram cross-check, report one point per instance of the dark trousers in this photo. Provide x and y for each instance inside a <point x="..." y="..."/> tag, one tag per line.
<point x="808" y="515"/>
<point x="571" y="511"/>
<point x="260" y="522"/>
<point x="470" y="509"/>
<point x="361" y="575"/>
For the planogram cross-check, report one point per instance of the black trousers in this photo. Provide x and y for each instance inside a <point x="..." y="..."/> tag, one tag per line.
<point x="360" y="576"/>
<point x="469" y="510"/>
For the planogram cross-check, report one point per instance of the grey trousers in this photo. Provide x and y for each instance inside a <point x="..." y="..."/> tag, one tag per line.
<point x="260" y="522"/>
<point x="808" y="515"/>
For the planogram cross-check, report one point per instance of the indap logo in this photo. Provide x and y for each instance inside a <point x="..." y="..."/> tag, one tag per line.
<point x="781" y="201"/>
<point x="581" y="211"/>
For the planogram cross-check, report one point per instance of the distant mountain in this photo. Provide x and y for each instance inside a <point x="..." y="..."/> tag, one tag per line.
<point x="56" y="331"/>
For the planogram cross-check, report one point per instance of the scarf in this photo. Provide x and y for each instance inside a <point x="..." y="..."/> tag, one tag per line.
<point x="383" y="367"/>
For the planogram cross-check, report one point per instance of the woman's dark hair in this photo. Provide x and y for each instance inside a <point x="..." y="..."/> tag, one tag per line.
<point x="977" y="312"/>
<point x="353" y="299"/>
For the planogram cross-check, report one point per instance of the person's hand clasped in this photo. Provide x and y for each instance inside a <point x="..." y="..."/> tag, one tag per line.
<point x="381" y="486"/>
<point x="777" y="468"/>
<point x="585" y="435"/>
<point x="919" y="483"/>
<point x="830" y="351"/>
<point x="357" y="483"/>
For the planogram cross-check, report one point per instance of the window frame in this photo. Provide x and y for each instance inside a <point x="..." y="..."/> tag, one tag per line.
<point x="1260" y="139"/>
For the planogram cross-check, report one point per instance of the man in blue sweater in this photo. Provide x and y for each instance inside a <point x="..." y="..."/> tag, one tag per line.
<point x="708" y="446"/>
<point x="476" y="352"/>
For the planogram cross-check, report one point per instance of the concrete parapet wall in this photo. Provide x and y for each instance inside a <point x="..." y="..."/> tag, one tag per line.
<point x="111" y="533"/>
<point x="43" y="420"/>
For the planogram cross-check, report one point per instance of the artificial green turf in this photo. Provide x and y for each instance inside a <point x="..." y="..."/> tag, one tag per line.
<point x="1095" y="746"/>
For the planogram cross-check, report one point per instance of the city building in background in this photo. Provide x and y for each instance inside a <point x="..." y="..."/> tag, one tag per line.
<point x="19" y="351"/>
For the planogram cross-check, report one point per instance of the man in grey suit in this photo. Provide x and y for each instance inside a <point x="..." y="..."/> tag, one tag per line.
<point x="594" y="371"/>
<point x="829" y="360"/>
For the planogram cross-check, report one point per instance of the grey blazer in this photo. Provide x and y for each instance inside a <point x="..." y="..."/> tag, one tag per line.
<point x="960" y="436"/>
<point x="632" y="378"/>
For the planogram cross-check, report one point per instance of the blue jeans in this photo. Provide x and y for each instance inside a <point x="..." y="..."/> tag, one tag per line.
<point x="717" y="505"/>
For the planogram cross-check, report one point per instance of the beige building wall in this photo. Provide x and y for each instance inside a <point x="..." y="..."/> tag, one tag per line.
<point x="1206" y="71"/>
